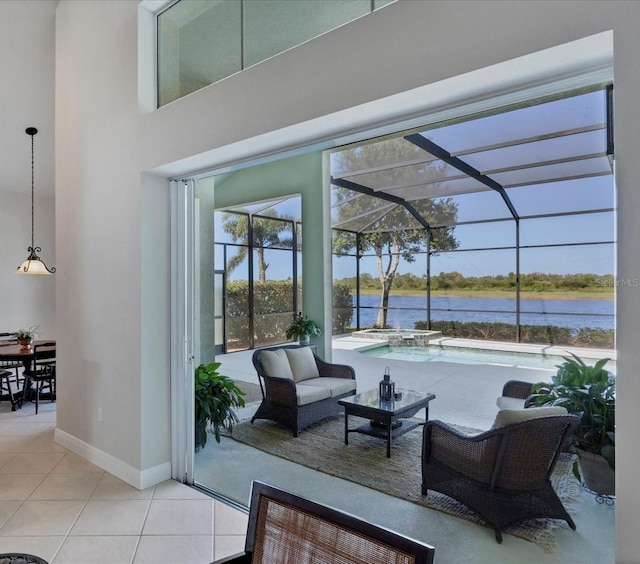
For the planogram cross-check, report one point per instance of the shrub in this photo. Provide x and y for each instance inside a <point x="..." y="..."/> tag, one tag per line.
<point x="342" y="307"/>
<point x="540" y="334"/>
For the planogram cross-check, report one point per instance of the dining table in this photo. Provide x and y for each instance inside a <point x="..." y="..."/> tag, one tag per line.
<point x="12" y="351"/>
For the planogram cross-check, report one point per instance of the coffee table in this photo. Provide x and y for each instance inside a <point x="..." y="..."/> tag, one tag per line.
<point x="387" y="419"/>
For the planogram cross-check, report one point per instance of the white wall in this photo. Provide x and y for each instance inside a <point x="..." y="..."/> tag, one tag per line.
<point x="103" y="146"/>
<point x="100" y="200"/>
<point x="26" y="99"/>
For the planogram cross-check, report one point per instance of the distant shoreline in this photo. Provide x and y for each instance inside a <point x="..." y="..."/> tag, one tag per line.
<point x="604" y="296"/>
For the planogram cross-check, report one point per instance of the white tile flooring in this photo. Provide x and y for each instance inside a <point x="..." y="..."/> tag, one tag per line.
<point x="56" y="505"/>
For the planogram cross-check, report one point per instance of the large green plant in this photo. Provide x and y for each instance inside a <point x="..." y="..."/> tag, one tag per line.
<point x="589" y="392"/>
<point x="215" y="397"/>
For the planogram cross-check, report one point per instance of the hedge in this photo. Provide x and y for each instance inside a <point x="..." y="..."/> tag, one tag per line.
<point x="272" y="304"/>
<point x="539" y="334"/>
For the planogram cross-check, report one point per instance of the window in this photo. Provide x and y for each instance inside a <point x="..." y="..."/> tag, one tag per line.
<point x="203" y="41"/>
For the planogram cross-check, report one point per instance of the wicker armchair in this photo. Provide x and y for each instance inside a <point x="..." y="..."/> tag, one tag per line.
<point x="517" y="394"/>
<point x="287" y="529"/>
<point x="502" y="474"/>
<point x="281" y="401"/>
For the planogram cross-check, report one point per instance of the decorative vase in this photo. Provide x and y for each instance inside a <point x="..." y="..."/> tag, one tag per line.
<point x="304" y="340"/>
<point x="596" y="473"/>
<point x="25" y="343"/>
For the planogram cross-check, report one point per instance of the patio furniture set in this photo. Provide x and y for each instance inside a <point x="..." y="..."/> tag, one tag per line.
<point x="503" y="474"/>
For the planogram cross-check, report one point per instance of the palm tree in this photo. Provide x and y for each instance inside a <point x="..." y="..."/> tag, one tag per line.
<point x="267" y="233"/>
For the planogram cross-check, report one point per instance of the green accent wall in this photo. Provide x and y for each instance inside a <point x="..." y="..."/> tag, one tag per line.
<point x="296" y="175"/>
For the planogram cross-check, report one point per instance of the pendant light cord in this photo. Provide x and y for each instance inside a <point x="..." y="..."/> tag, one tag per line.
<point x="34" y="264"/>
<point x="32" y="198"/>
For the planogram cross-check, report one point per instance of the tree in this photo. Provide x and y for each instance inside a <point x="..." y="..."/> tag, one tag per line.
<point x="391" y="232"/>
<point x="268" y="231"/>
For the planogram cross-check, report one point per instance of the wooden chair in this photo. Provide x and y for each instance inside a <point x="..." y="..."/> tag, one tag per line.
<point x="42" y="373"/>
<point x="287" y="529"/>
<point x="11" y="380"/>
<point x="503" y="474"/>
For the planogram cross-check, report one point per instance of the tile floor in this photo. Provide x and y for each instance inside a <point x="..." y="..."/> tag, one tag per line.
<point x="58" y="506"/>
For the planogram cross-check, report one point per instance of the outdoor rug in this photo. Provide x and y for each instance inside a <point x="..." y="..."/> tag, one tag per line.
<point x="364" y="461"/>
<point x="252" y="393"/>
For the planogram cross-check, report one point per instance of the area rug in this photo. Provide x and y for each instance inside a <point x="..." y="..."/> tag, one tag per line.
<point x="252" y="392"/>
<point x="364" y="461"/>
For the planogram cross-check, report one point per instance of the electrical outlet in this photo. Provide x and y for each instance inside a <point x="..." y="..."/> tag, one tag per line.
<point x="100" y="414"/>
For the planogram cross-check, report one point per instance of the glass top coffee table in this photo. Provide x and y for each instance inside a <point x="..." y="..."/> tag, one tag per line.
<point x="387" y="419"/>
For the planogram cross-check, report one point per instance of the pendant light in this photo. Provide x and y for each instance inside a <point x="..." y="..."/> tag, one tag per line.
<point x="33" y="264"/>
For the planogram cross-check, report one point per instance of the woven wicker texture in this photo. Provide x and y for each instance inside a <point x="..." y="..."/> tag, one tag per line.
<point x="503" y="474"/>
<point x="517" y="389"/>
<point x="288" y="535"/>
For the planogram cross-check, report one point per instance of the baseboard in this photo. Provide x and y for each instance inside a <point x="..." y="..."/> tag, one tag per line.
<point x="137" y="478"/>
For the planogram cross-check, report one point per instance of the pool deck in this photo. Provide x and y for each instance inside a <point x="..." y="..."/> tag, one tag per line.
<point x="466" y="393"/>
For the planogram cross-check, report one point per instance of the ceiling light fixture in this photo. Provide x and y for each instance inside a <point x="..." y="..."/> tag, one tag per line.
<point x="33" y="264"/>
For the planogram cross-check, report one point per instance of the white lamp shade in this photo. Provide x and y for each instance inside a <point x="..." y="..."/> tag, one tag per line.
<point x="31" y="266"/>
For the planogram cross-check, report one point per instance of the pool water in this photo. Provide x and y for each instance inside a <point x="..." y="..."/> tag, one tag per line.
<point x="472" y="356"/>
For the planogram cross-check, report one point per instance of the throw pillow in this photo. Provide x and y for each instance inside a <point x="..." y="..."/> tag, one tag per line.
<point x="509" y="416"/>
<point x="303" y="364"/>
<point x="276" y="364"/>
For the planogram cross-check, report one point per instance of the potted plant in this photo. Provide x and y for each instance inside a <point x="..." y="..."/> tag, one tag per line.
<point x="302" y="328"/>
<point x="216" y="396"/>
<point x="589" y="392"/>
<point x="26" y="336"/>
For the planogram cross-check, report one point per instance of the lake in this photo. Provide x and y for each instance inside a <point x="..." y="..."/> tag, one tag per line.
<point x="404" y="311"/>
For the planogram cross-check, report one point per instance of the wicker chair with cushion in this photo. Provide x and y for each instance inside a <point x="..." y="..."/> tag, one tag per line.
<point x="287" y="529"/>
<point x="516" y="394"/>
<point x="503" y="474"/>
<point x="298" y="387"/>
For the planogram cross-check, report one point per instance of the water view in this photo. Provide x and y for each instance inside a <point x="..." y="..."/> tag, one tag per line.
<point x="405" y="311"/>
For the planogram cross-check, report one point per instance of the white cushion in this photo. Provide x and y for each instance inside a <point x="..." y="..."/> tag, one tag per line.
<point x="336" y="386"/>
<point x="302" y="363"/>
<point x="506" y="402"/>
<point x="308" y="394"/>
<point x="509" y="416"/>
<point x="276" y="364"/>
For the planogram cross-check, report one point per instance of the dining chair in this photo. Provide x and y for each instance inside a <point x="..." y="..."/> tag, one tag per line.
<point x="11" y="380"/>
<point x="42" y="374"/>
<point x="286" y="528"/>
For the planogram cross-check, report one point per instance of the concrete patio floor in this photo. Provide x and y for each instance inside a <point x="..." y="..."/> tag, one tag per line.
<point x="465" y="395"/>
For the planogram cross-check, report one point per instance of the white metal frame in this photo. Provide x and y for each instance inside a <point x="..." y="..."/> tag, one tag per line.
<point x="182" y="328"/>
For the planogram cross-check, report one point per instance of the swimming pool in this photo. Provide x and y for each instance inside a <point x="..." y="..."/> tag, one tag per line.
<point x="472" y="356"/>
